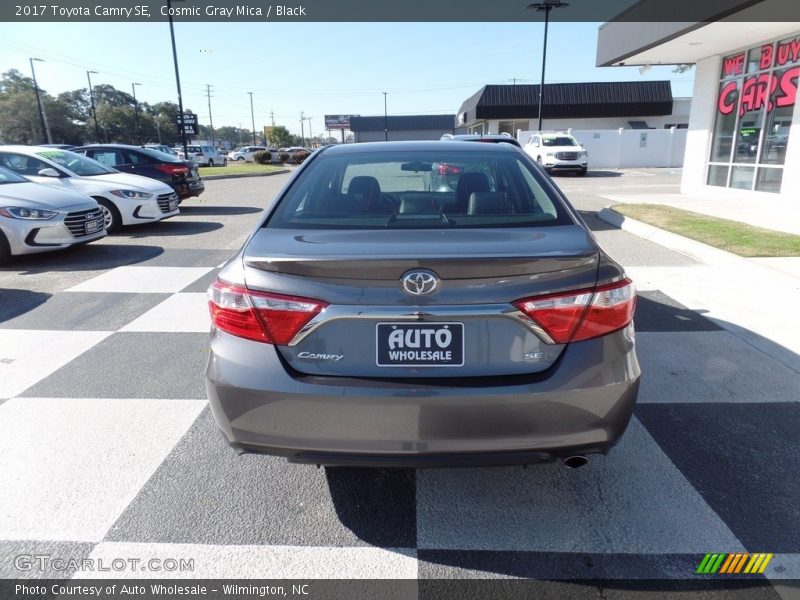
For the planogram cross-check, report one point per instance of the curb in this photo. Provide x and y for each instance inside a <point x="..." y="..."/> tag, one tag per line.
<point x="711" y="256"/>
<point x="242" y="175"/>
<point x="693" y="249"/>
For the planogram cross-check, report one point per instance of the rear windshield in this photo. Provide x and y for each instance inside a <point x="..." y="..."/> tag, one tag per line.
<point x="159" y="155"/>
<point x="431" y="189"/>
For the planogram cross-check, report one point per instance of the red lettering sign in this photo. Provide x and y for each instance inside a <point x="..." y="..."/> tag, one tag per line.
<point x="757" y="91"/>
<point x="766" y="57"/>
<point x="733" y="65"/>
<point x="788" y="52"/>
<point x="727" y="98"/>
<point x="788" y="87"/>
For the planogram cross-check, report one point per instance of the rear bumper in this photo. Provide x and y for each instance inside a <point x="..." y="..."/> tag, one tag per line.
<point x="187" y="190"/>
<point x="581" y="405"/>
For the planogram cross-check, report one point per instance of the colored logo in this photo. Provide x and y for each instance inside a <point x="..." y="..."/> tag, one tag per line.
<point x="733" y="564"/>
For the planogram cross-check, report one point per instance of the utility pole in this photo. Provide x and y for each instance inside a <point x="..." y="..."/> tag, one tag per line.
<point x="385" y="118"/>
<point x="42" y="117"/>
<point x="136" y="113"/>
<point x="177" y="81"/>
<point x="91" y="97"/>
<point x="252" y="117"/>
<point x="210" y="120"/>
<point x="302" y="130"/>
<point x="272" y="116"/>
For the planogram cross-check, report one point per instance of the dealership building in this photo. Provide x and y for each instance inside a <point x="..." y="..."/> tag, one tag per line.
<point x="744" y="125"/>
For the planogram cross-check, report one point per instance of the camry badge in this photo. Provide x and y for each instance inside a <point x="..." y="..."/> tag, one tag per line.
<point x="420" y="283"/>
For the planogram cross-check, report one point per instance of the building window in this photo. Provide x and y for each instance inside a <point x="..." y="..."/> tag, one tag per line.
<point x="755" y="104"/>
<point x="510" y="127"/>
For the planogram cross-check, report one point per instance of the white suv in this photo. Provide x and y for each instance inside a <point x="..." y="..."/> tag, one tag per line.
<point x="557" y="151"/>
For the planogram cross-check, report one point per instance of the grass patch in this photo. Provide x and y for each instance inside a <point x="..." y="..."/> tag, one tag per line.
<point x="732" y="236"/>
<point x="238" y="169"/>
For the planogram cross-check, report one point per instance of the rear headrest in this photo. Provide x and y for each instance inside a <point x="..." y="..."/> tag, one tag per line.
<point x="488" y="203"/>
<point x="418" y="205"/>
<point x="366" y="185"/>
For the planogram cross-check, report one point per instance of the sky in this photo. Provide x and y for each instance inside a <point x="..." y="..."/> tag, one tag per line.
<point x="317" y="68"/>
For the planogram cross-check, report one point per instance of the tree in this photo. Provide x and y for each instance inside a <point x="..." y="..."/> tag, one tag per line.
<point x="279" y="137"/>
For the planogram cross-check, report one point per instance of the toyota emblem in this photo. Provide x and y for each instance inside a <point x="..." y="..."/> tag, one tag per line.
<point x="420" y="283"/>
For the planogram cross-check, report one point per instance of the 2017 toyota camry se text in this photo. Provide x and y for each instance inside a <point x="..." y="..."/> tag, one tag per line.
<point x="374" y="319"/>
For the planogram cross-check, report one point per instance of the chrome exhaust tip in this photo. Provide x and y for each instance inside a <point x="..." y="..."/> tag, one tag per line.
<point x="575" y="462"/>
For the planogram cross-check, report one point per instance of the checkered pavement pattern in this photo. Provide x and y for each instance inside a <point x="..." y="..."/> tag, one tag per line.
<point x="108" y="449"/>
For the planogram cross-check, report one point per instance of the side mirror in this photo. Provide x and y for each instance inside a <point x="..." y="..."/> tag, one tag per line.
<point x="49" y="172"/>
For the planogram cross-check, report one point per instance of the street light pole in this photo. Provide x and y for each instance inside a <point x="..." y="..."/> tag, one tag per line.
<point x="91" y="97"/>
<point x="182" y="126"/>
<point x="42" y="117"/>
<point x="385" y="119"/>
<point x="136" y="113"/>
<point x="252" y="118"/>
<point x="545" y="6"/>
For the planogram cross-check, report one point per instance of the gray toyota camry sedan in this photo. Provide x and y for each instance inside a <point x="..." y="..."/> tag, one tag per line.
<point x="373" y="319"/>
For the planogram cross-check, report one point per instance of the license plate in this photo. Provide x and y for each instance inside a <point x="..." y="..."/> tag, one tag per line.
<point x="93" y="226"/>
<point x="420" y="344"/>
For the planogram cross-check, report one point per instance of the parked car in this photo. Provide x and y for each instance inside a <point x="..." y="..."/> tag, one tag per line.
<point x="367" y="321"/>
<point x="125" y="199"/>
<point x="292" y="150"/>
<point x="206" y="156"/>
<point x="498" y="138"/>
<point x="181" y="175"/>
<point x="161" y="148"/>
<point x="558" y="151"/>
<point x="245" y="153"/>
<point x="39" y="218"/>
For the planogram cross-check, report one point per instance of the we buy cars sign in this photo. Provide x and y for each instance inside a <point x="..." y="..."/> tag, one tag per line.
<point x="189" y="122"/>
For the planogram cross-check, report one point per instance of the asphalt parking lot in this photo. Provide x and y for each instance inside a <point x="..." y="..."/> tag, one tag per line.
<point x="108" y="448"/>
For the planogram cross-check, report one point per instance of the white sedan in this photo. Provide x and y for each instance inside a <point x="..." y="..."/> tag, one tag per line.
<point x="125" y="199"/>
<point x="38" y="218"/>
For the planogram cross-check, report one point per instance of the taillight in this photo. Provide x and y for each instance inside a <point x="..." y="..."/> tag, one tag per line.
<point x="582" y="314"/>
<point x="259" y="316"/>
<point x="172" y="169"/>
<point x="445" y="169"/>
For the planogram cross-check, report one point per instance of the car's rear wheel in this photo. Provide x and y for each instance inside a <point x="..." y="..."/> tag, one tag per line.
<point x="224" y="162"/>
<point x="5" y="250"/>
<point x="210" y="163"/>
<point x="581" y="172"/>
<point x="240" y="158"/>
<point x="111" y="216"/>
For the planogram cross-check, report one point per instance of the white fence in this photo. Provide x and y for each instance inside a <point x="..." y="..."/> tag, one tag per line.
<point x="623" y="148"/>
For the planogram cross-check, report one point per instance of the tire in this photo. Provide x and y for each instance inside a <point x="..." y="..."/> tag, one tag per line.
<point x="240" y="158"/>
<point x="5" y="250"/>
<point x="210" y="163"/>
<point x="581" y="172"/>
<point x="111" y="216"/>
<point x="224" y="162"/>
